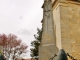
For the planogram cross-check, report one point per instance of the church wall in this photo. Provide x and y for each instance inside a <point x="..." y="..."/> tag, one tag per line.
<point x="65" y="29"/>
<point x="56" y="17"/>
<point x="70" y="28"/>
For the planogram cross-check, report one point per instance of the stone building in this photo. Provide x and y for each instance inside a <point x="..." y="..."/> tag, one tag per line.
<point x="61" y="28"/>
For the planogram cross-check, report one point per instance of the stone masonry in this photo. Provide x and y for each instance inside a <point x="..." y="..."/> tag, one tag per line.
<point x="67" y="21"/>
<point x="47" y="48"/>
<point x="63" y="32"/>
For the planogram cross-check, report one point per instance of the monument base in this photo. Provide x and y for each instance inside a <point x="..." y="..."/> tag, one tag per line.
<point x="47" y="51"/>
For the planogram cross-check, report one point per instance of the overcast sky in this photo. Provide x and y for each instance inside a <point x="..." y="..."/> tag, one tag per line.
<point x="21" y="17"/>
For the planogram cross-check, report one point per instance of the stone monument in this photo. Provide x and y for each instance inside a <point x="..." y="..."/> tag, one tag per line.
<point x="48" y="46"/>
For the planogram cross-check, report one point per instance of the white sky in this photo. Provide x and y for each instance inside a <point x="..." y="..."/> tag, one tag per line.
<point x="21" y="17"/>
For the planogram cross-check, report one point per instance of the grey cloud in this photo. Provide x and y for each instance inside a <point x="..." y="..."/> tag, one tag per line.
<point x="24" y="32"/>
